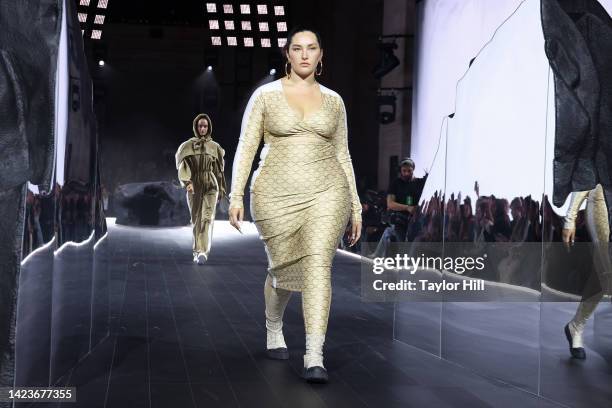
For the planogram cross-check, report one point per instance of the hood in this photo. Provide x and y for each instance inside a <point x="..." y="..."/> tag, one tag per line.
<point x="195" y="123"/>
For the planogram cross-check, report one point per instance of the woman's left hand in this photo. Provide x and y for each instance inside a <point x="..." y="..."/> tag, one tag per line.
<point x="355" y="232"/>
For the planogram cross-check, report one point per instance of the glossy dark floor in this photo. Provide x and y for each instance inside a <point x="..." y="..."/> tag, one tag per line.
<point x="184" y="335"/>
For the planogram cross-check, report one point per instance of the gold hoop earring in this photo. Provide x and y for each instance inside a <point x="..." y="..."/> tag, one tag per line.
<point x="288" y="69"/>
<point x="319" y="72"/>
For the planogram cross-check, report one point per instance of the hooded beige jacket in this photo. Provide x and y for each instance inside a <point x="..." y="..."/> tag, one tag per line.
<point x="205" y="172"/>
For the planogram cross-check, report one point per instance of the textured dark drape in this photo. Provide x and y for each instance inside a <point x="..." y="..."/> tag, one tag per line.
<point x="29" y="37"/>
<point x="578" y="35"/>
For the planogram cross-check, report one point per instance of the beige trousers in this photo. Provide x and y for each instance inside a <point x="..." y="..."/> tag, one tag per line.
<point x="203" y="222"/>
<point x="599" y="231"/>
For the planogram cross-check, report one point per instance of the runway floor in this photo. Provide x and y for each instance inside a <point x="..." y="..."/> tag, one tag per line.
<point x="184" y="335"/>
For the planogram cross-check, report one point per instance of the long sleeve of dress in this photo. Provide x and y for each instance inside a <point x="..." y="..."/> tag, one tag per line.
<point x="340" y="142"/>
<point x="576" y="200"/>
<point x="184" y="173"/>
<point x="251" y="132"/>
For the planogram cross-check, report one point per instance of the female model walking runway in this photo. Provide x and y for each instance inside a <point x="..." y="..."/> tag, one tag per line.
<point x="302" y="194"/>
<point x="200" y="165"/>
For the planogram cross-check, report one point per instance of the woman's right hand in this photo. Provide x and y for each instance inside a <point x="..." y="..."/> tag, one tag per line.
<point x="189" y="187"/>
<point x="236" y="215"/>
<point x="568" y="236"/>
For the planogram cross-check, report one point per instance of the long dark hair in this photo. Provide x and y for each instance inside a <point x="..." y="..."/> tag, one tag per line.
<point x="299" y="29"/>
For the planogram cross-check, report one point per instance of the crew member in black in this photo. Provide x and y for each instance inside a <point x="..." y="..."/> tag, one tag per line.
<point x="402" y="200"/>
<point x="405" y="191"/>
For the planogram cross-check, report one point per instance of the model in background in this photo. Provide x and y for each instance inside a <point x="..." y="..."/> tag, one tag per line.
<point x="578" y="38"/>
<point x="200" y="165"/>
<point x="599" y="230"/>
<point x="302" y="195"/>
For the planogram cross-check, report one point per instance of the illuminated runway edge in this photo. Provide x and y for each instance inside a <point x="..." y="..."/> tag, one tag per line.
<point x="184" y="335"/>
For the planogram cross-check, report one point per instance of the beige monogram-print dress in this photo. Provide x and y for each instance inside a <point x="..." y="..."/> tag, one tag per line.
<point x="303" y="192"/>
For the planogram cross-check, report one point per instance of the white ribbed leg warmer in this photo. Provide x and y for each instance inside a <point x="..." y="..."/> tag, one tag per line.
<point x="314" y="350"/>
<point x="276" y="302"/>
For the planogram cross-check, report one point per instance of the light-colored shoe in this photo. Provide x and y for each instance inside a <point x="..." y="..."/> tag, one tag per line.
<point x="201" y="258"/>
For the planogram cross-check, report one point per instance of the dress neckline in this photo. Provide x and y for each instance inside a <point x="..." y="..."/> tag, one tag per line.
<point x="303" y="117"/>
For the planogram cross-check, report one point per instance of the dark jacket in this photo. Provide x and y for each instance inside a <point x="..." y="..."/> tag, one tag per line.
<point x="29" y="40"/>
<point x="578" y="40"/>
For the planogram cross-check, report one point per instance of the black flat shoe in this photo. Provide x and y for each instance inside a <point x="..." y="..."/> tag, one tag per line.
<point x="280" y="353"/>
<point x="315" y="375"/>
<point x="576" y="352"/>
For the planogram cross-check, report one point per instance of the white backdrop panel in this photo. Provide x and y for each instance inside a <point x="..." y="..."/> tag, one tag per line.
<point x="500" y="135"/>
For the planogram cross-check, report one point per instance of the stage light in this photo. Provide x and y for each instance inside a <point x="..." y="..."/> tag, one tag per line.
<point x="228" y="9"/>
<point x="388" y="60"/>
<point x="279" y="10"/>
<point x="229" y="25"/>
<point x="386" y="109"/>
<point x="99" y="19"/>
<point x="281" y="26"/>
<point x="82" y="17"/>
<point x="232" y="41"/>
<point x="246" y="25"/>
<point x="265" y="42"/>
<point x="245" y="9"/>
<point x="262" y="9"/>
<point x="248" y="42"/>
<point x="84" y="3"/>
<point x="211" y="7"/>
<point x="102" y="4"/>
<point x="96" y="34"/>
<point x="282" y="42"/>
<point x="216" y="40"/>
<point x="99" y="53"/>
<point x="263" y="26"/>
<point x="209" y="68"/>
<point x="213" y="24"/>
<point x="273" y="71"/>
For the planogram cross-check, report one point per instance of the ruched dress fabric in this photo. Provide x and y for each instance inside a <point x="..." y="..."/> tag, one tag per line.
<point x="303" y="192"/>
